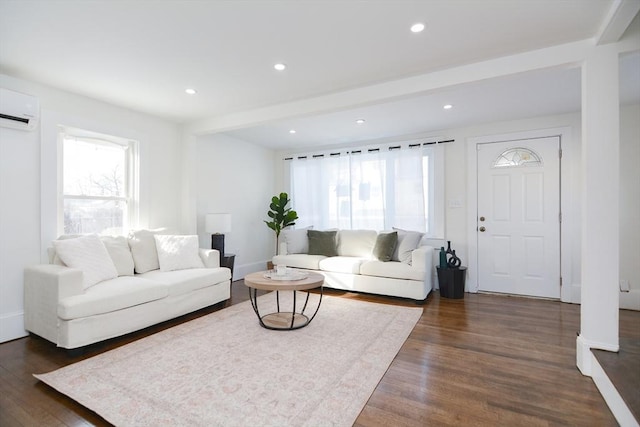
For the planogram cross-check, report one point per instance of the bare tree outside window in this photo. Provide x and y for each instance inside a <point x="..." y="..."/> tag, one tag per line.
<point x="95" y="182"/>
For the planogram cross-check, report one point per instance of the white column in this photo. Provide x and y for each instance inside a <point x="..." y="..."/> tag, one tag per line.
<point x="600" y="193"/>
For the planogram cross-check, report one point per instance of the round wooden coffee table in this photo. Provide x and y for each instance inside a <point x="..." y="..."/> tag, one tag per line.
<point x="284" y="320"/>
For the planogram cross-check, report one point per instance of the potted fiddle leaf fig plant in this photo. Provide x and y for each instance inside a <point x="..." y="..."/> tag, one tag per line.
<point x="280" y="215"/>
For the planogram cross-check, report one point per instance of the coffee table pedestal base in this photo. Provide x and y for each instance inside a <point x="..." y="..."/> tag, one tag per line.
<point x="284" y="320"/>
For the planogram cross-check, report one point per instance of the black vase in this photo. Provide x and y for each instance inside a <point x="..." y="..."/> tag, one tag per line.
<point x="454" y="261"/>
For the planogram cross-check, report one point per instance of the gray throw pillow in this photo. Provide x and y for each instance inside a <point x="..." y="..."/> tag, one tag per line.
<point x="322" y="243"/>
<point x="385" y="246"/>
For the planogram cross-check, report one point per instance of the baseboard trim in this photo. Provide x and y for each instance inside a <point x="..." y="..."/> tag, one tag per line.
<point x="610" y="394"/>
<point x="12" y="326"/>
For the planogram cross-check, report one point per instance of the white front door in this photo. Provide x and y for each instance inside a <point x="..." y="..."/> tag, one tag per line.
<point x="519" y="217"/>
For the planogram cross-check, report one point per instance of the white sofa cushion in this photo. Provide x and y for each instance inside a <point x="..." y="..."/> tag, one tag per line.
<point x="342" y="264"/>
<point x="120" y="254"/>
<point x="111" y="295"/>
<point x="184" y="281"/>
<point x="407" y="242"/>
<point x="89" y="254"/>
<point x="358" y="243"/>
<point x="392" y="269"/>
<point x="296" y="240"/>
<point x="143" y="249"/>
<point x="309" y="262"/>
<point x="178" y="252"/>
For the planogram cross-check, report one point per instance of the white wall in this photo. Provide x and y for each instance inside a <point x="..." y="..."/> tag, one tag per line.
<point x="237" y="177"/>
<point x="456" y="167"/>
<point x="630" y="204"/>
<point x="28" y="187"/>
<point x="456" y="176"/>
<point x="19" y="222"/>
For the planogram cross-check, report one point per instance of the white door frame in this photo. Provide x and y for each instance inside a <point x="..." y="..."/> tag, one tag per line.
<point x="568" y="292"/>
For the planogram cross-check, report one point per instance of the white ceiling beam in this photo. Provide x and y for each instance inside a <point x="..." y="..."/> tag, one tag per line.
<point x="617" y="20"/>
<point x="561" y="55"/>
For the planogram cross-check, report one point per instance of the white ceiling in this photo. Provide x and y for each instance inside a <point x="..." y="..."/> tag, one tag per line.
<point x="532" y="94"/>
<point x="143" y="54"/>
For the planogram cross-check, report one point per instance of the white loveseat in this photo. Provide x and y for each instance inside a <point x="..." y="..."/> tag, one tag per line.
<point x="74" y="307"/>
<point x="355" y="266"/>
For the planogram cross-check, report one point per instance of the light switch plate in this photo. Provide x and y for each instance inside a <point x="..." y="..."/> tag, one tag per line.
<point x="455" y="203"/>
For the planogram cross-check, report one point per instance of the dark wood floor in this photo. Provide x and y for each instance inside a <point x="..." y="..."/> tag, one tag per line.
<point x="623" y="367"/>
<point x="483" y="360"/>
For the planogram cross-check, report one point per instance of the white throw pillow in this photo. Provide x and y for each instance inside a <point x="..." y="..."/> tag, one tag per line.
<point x="120" y="254"/>
<point x="53" y="255"/>
<point x="87" y="253"/>
<point x="296" y="240"/>
<point x="408" y="241"/>
<point x="143" y="249"/>
<point x="178" y="252"/>
<point x="117" y="247"/>
<point x="358" y="243"/>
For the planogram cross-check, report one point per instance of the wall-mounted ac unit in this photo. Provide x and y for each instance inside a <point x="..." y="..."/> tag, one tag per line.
<point x="18" y="111"/>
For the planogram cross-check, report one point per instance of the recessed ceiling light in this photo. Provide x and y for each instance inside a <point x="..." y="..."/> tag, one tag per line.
<point x="417" y="27"/>
<point x="190" y="91"/>
<point x="292" y="131"/>
<point x="448" y="107"/>
<point x="280" y="66"/>
<point x="360" y="121"/>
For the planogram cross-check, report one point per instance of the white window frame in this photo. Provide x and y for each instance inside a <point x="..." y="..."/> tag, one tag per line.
<point x="132" y="174"/>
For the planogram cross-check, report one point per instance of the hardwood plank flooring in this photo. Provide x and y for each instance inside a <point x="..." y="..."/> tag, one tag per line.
<point x="623" y="367"/>
<point x="482" y="360"/>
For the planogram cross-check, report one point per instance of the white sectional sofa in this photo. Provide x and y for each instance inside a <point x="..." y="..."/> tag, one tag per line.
<point x="99" y="288"/>
<point x="357" y="264"/>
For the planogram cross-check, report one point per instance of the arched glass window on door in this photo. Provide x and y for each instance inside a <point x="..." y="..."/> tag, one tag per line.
<point x="517" y="157"/>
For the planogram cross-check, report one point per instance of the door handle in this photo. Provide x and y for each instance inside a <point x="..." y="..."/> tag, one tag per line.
<point x="482" y="229"/>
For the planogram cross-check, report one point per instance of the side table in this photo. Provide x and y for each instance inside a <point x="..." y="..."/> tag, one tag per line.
<point x="227" y="260"/>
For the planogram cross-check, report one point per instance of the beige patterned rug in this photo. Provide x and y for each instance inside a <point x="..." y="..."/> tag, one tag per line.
<point x="223" y="369"/>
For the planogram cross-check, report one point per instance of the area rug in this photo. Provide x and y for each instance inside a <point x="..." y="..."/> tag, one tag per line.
<point x="223" y="369"/>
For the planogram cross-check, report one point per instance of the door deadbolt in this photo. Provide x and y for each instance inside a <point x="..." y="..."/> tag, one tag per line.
<point x="481" y="218"/>
<point x="482" y="229"/>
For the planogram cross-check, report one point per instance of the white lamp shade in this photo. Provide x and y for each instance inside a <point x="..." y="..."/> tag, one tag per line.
<point x="218" y="223"/>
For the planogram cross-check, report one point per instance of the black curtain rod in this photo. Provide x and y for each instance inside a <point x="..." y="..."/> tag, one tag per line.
<point x="373" y="150"/>
<point x="439" y="142"/>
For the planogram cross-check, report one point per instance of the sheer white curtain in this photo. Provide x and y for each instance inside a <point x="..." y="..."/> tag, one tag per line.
<point x="376" y="189"/>
<point x="318" y="188"/>
<point x="368" y="191"/>
<point x="406" y="189"/>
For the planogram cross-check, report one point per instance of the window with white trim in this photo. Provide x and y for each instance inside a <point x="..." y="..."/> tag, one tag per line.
<point x="379" y="188"/>
<point x="99" y="183"/>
